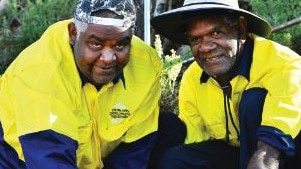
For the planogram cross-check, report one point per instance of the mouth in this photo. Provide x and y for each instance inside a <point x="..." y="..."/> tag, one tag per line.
<point x="105" y="70"/>
<point x="212" y="58"/>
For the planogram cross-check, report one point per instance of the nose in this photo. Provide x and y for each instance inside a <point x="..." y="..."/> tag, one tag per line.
<point x="206" y="44"/>
<point x="107" y="56"/>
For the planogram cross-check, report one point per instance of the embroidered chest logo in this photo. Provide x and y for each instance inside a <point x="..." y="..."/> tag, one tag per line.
<point x="118" y="113"/>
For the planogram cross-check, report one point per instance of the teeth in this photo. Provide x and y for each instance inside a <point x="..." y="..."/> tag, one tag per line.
<point x="211" y="59"/>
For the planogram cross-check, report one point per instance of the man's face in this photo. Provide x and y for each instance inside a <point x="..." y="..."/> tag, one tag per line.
<point x="214" y="44"/>
<point x="101" y="51"/>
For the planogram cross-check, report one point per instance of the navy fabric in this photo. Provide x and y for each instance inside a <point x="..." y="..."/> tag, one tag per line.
<point x="250" y="111"/>
<point x="218" y="154"/>
<point x="8" y="156"/>
<point x="171" y="132"/>
<point x="276" y="138"/>
<point x="212" y="154"/>
<point x="250" y="114"/>
<point x="133" y="155"/>
<point x="245" y="61"/>
<point x="49" y="150"/>
<point x="148" y="150"/>
<point x="295" y="162"/>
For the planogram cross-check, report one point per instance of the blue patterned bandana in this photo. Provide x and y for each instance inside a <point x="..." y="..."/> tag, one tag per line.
<point x="125" y="8"/>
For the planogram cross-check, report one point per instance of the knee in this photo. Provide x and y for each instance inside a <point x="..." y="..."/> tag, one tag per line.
<point x="171" y="126"/>
<point x="171" y="159"/>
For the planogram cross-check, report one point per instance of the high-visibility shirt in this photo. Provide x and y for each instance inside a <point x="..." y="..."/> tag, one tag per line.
<point x="42" y="91"/>
<point x="270" y="66"/>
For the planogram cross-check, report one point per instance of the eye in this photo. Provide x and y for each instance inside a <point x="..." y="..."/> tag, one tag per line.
<point x="121" y="45"/>
<point x="95" y="45"/>
<point x="194" y="40"/>
<point x="216" y="34"/>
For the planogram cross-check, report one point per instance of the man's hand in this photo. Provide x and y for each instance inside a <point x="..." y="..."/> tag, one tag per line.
<point x="265" y="157"/>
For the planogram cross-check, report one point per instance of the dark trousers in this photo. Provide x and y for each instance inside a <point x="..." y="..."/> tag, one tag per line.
<point x="171" y="133"/>
<point x="217" y="154"/>
<point x="135" y="155"/>
<point x="214" y="154"/>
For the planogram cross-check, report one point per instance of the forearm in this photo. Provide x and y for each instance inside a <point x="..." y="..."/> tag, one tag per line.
<point x="265" y="157"/>
<point x="278" y="139"/>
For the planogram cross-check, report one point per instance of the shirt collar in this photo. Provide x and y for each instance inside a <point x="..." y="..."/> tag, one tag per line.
<point x="244" y="62"/>
<point x="120" y="76"/>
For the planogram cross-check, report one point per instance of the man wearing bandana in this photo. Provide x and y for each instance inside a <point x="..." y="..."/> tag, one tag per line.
<point x="85" y="95"/>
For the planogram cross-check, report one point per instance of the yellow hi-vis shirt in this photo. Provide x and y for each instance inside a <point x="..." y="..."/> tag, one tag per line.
<point x="42" y="90"/>
<point x="274" y="68"/>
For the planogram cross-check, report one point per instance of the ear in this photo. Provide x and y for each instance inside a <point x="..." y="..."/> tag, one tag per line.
<point x="243" y="27"/>
<point x="72" y="32"/>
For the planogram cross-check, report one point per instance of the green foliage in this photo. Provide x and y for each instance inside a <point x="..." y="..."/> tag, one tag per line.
<point x="278" y="12"/>
<point x="32" y="20"/>
<point x="172" y="65"/>
<point x="296" y="43"/>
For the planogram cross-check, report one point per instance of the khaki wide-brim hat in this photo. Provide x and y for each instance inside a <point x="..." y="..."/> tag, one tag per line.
<point x="172" y="24"/>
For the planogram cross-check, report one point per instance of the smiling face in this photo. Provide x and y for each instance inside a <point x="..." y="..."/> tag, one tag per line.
<point x="214" y="42"/>
<point x="101" y="51"/>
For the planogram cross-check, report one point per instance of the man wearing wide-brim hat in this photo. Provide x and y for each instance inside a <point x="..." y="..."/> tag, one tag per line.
<point x="240" y="98"/>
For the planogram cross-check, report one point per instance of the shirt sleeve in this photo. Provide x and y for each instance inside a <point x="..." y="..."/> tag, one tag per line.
<point x="49" y="150"/>
<point x="42" y="119"/>
<point x="280" y="76"/>
<point x="276" y="138"/>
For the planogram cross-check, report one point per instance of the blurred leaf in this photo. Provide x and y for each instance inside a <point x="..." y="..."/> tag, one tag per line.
<point x="34" y="17"/>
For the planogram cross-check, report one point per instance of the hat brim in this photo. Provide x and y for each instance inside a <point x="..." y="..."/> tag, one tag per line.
<point x="171" y="24"/>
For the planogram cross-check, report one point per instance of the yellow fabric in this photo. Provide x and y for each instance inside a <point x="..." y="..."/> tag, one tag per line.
<point x="274" y="67"/>
<point x="42" y="90"/>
